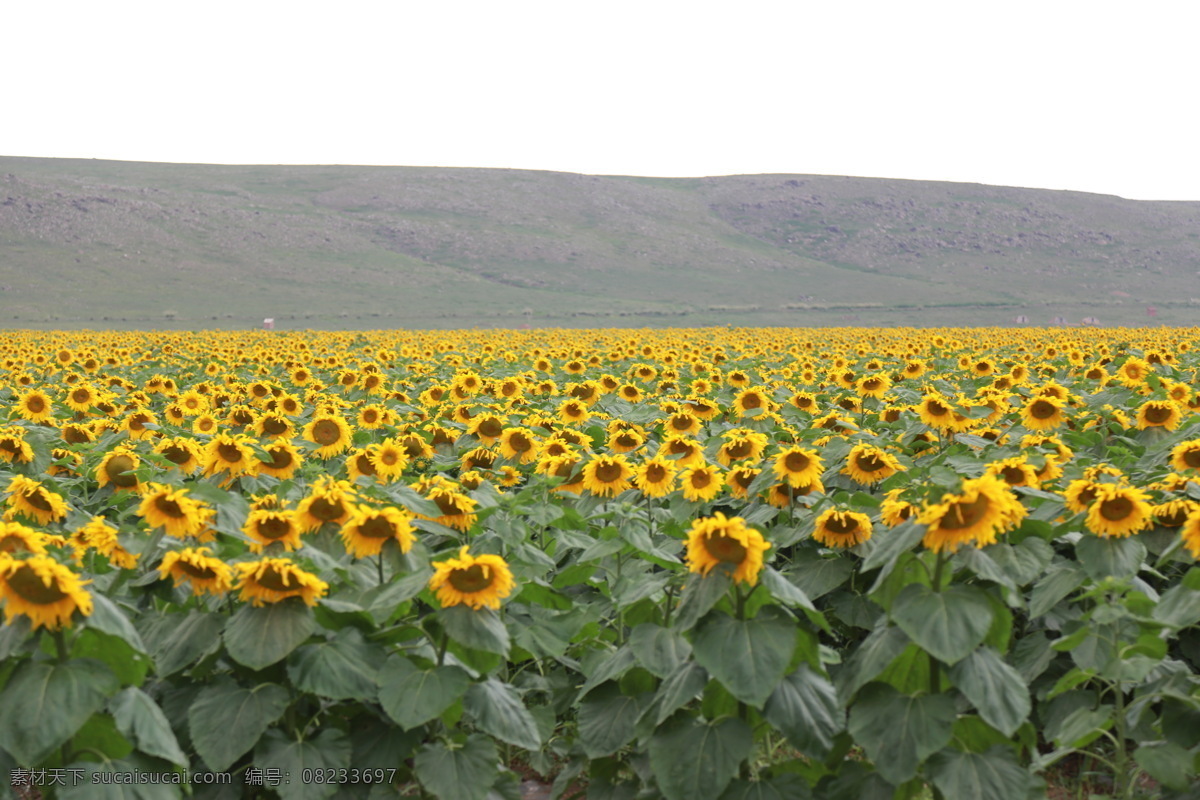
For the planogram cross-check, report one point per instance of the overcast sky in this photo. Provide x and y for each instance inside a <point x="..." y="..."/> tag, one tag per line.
<point x="1091" y="96"/>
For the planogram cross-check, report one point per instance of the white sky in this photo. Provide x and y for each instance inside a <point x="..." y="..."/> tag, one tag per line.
<point x="1094" y="96"/>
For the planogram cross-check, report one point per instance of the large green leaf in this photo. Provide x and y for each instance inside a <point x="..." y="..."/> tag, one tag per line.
<point x="948" y="624"/>
<point x="1059" y="581"/>
<point x="1179" y="606"/>
<point x="871" y="658"/>
<point x="1102" y="556"/>
<point x="784" y="590"/>
<point x="178" y="641"/>
<point x="126" y="662"/>
<point x="329" y="750"/>
<point x="818" y="576"/>
<point x="899" y="732"/>
<point x="889" y="545"/>
<point x="227" y="720"/>
<point x="660" y="650"/>
<point x="464" y="772"/>
<point x="677" y="690"/>
<point x="44" y="704"/>
<point x="497" y="708"/>
<point x="108" y="617"/>
<point x="696" y="760"/>
<point x="413" y="696"/>
<point x="343" y="668"/>
<point x="258" y="637"/>
<point x="607" y="720"/>
<point x="700" y="594"/>
<point x="749" y="657"/>
<point x="94" y="781"/>
<point x="995" y="688"/>
<point x="994" y="775"/>
<point x="145" y="724"/>
<point x="805" y="707"/>
<point x="479" y="629"/>
<point x="1167" y="763"/>
<point x="783" y="787"/>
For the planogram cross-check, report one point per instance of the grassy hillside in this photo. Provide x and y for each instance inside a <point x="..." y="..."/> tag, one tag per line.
<point x="122" y="244"/>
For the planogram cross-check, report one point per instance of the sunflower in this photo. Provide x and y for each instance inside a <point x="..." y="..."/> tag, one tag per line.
<point x="873" y="386"/>
<point x="836" y="528"/>
<point x="626" y="441"/>
<point x="488" y="428"/>
<point x="327" y="501"/>
<point x="475" y="581"/>
<point x="682" y="423"/>
<point x="40" y="588"/>
<point x="701" y="482"/>
<point x="1043" y="413"/>
<point x="508" y="476"/>
<point x="1173" y="513"/>
<point x="683" y="451"/>
<point x="272" y="580"/>
<point x="35" y="406"/>
<point x="266" y="526"/>
<point x="81" y="398"/>
<point x="741" y="445"/>
<point x="30" y="499"/>
<point x="573" y="411"/>
<point x="232" y="454"/>
<point x="717" y="540"/>
<point x="98" y="535"/>
<point x="13" y="447"/>
<point x="285" y="460"/>
<point x="1015" y="471"/>
<point x="655" y="477"/>
<point x="182" y="451"/>
<point x="983" y="508"/>
<point x="330" y="433"/>
<point x="1158" y="414"/>
<point x="116" y="468"/>
<point x="274" y="425"/>
<point x="389" y="459"/>
<point x="564" y="466"/>
<point x="739" y="480"/>
<point x="937" y="412"/>
<point x="1190" y="532"/>
<point x="1119" y="511"/>
<point x="359" y="463"/>
<point x="170" y="508"/>
<point x="1133" y="372"/>
<point x="519" y="444"/>
<point x="783" y="495"/>
<point x="365" y="533"/>
<point x="894" y="509"/>
<point x="1186" y="456"/>
<point x="138" y="422"/>
<point x="414" y="446"/>
<point x="18" y="538"/>
<point x="798" y="466"/>
<point x="458" y="510"/>
<point x="750" y="401"/>
<point x="868" y="465"/>
<point x="607" y="476"/>
<point x="374" y="416"/>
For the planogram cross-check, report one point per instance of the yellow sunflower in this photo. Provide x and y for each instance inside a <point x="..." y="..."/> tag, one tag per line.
<point x="655" y="477"/>
<point x="30" y="499"/>
<point x="182" y="451"/>
<point x="230" y="453"/>
<point x="868" y="465"/>
<point x="1159" y="414"/>
<point x="717" y="540"/>
<point x="116" y="468"/>
<point x="683" y="451"/>
<point x="274" y="425"/>
<point x="40" y="588"/>
<point x="475" y="581"/>
<point x="100" y="536"/>
<point x="1173" y="513"/>
<point x="81" y="398"/>
<point x="741" y="445"/>
<point x="1119" y="511"/>
<point x="170" y="508"/>
<point x="327" y="501"/>
<point x="266" y="526"/>
<point x="13" y="447"/>
<point x="1186" y="456"/>
<point x="272" y="580"/>
<point x="35" y="406"/>
<point x="894" y="509"/>
<point x="798" y="467"/>
<point x="285" y="460"/>
<point x="519" y="444"/>
<point x="751" y="401"/>
<point x="1190" y="532"/>
<point x="607" y="476"/>
<point x="330" y="433"/>
<point x="365" y="533"/>
<point x="982" y="509"/>
<point x="834" y="528"/>
<point x="739" y="480"/>
<point x="1043" y="413"/>
<point x="18" y="538"/>
<point x="701" y="482"/>
<point x="1015" y="471"/>
<point x="458" y="510"/>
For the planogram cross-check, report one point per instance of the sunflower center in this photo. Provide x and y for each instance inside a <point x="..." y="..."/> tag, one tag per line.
<point x="364" y="465"/>
<point x="273" y="426"/>
<point x="681" y="423"/>
<point x="870" y="462"/>
<point x="1116" y="508"/>
<point x="229" y="453"/>
<point x="117" y="465"/>
<point x="1192" y="458"/>
<point x="725" y="549"/>
<point x="608" y="472"/>
<point x="936" y="409"/>
<point x="964" y="514"/>
<point x="326" y="432"/>
<point x="36" y="404"/>
<point x="273" y="528"/>
<point x="841" y="525"/>
<point x="520" y="442"/>
<point x="655" y="473"/>
<point x="138" y="422"/>
<point x="275" y="580"/>
<point x="752" y="401"/>
<point x="377" y="528"/>
<point x="448" y="504"/>
<point x="326" y="510"/>
<point x="471" y="579"/>
<point x="389" y="457"/>
<point x="176" y="454"/>
<point x="796" y="462"/>
<point x="1173" y="519"/>
<point x="280" y="459"/>
<point x="739" y="449"/>
<point x="1014" y="476"/>
<point x="29" y="586"/>
<point x="1158" y="414"/>
<point x="169" y="507"/>
<point x="700" y="479"/>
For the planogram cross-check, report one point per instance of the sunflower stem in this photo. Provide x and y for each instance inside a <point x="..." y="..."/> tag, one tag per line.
<point x="379" y="564"/>
<point x="441" y="654"/>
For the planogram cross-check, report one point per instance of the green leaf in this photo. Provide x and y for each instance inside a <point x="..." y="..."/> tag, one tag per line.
<point x="44" y="704"/>
<point x="479" y="629"/>
<point x="784" y="590"/>
<point x="948" y="624"/>
<point x="696" y="760"/>
<point x="660" y="650"/>
<point x="108" y="617"/>
<point x="1102" y="557"/>
<point x="890" y="545"/>
<point x="1083" y="726"/>
<point x="677" y="690"/>
<point x="995" y="688"/>
<point x="412" y="697"/>
<point x="749" y="657"/>
<point x="1178" y="607"/>
<point x="226" y="720"/>
<point x="899" y="732"/>
<point x="1060" y="580"/>
<point x="782" y="787"/>
<point x="127" y="663"/>
<point x="328" y="750"/>
<point x="497" y="708"/>
<point x="700" y="594"/>
<point x="805" y="707"/>
<point x="608" y="667"/>
<point x="94" y="782"/>
<point x="818" y="575"/>
<point x="144" y="723"/>
<point x="258" y="637"/>
<point x="465" y="772"/>
<point x="179" y="641"/>
<point x="994" y="775"/>
<point x="871" y="658"/>
<point x="1167" y="763"/>
<point x="342" y="668"/>
<point x="607" y="720"/>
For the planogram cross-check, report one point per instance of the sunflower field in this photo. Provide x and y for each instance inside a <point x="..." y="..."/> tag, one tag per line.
<point x="709" y="564"/>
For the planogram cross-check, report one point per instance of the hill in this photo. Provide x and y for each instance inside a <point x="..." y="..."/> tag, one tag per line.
<point x="96" y="244"/>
